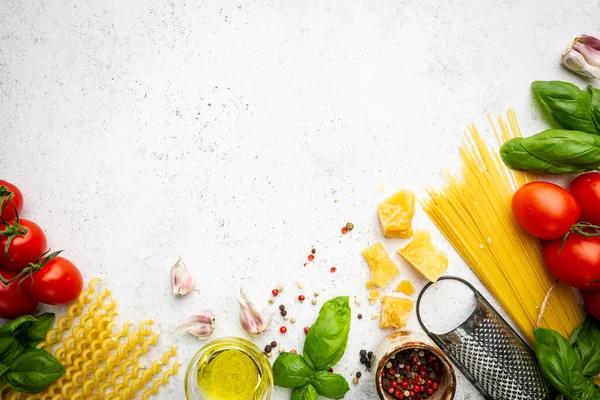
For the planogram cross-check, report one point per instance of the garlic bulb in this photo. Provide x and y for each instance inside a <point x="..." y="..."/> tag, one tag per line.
<point x="583" y="56"/>
<point x="254" y="320"/>
<point x="201" y="325"/>
<point x="182" y="282"/>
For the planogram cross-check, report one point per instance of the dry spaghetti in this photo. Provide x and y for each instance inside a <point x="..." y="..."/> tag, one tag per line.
<point x="99" y="363"/>
<point x="474" y="213"/>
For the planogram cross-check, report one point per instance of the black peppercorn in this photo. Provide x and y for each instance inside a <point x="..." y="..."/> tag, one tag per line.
<point x="273" y="344"/>
<point x="363" y="353"/>
<point x="363" y="360"/>
<point x="283" y="313"/>
<point x="359" y="316"/>
<point x="282" y="307"/>
<point x="358" y="374"/>
<point x="370" y="354"/>
<point x="268" y="348"/>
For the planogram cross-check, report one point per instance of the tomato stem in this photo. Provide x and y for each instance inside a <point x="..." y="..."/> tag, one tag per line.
<point x="5" y="197"/>
<point x="580" y="228"/>
<point x="32" y="268"/>
<point x="13" y="230"/>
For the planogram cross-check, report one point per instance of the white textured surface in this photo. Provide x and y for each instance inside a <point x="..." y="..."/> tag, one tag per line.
<point x="226" y="131"/>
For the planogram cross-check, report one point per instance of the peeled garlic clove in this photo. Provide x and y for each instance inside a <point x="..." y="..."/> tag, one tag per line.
<point x="182" y="282"/>
<point x="254" y="320"/>
<point x="583" y="56"/>
<point x="201" y="325"/>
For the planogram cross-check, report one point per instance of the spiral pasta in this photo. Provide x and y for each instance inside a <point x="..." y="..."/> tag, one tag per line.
<point x="100" y="364"/>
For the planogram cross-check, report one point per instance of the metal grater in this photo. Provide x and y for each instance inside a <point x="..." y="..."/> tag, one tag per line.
<point x="491" y="354"/>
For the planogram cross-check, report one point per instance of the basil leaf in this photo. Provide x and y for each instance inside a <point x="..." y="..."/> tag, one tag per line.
<point x="330" y="385"/>
<point x="574" y="334"/>
<point x="566" y="105"/>
<point x="592" y="392"/>
<point x="553" y="151"/>
<point x="595" y="105"/>
<point x="33" y="371"/>
<point x="559" y="362"/>
<point x="34" y="332"/>
<point x="306" y="392"/>
<point x="3" y="369"/>
<point x="12" y="326"/>
<point x="291" y="371"/>
<point x="587" y="347"/>
<point x="327" y="338"/>
<point x="10" y="349"/>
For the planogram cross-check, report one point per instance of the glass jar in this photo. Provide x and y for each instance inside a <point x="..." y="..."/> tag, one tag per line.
<point x="217" y="348"/>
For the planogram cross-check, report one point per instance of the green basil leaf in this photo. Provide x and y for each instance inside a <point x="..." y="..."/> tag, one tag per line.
<point x="327" y="338"/>
<point x="33" y="371"/>
<point x="559" y="362"/>
<point x="587" y="347"/>
<point x="330" y="385"/>
<point x="34" y="332"/>
<point x="306" y="392"/>
<point x="566" y="105"/>
<point x="595" y="105"/>
<point x="592" y="392"/>
<point x="574" y="334"/>
<point x="12" y="326"/>
<point x="291" y="371"/>
<point x="553" y="151"/>
<point x="10" y="349"/>
<point x="3" y="369"/>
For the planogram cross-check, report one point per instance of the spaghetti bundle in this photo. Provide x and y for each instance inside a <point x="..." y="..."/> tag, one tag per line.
<point x="474" y="213"/>
<point x="99" y="363"/>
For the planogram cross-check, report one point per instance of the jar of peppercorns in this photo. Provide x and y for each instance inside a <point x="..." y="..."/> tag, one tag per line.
<point x="411" y="367"/>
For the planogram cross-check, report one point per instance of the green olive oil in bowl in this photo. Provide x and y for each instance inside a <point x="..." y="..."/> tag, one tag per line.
<point x="229" y="368"/>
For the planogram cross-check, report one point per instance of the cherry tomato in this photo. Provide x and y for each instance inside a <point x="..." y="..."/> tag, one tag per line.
<point x="14" y="299"/>
<point x="578" y="263"/>
<point x="586" y="189"/>
<point x="7" y="207"/>
<point x="545" y="210"/>
<point x="24" y="248"/>
<point x="58" y="282"/>
<point x="592" y="302"/>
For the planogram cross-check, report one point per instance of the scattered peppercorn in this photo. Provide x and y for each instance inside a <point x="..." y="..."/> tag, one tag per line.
<point x="349" y="226"/>
<point x="275" y="292"/>
<point x="314" y="302"/>
<point x="355" y="380"/>
<point x="268" y="348"/>
<point x="273" y="344"/>
<point x="301" y="297"/>
<point x="359" y="316"/>
<point x="408" y="374"/>
<point x="271" y="300"/>
<point x="283" y="329"/>
<point x="358" y="374"/>
<point x="313" y="250"/>
<point x="333" y="269"/>
<point x="363" y="353"/>
<point x="363" y="360"/>
<point x="306" y="329"/>
<point x="293" y="352"/>
<point x="282" y="307"/>
<point x="311" y="257"/>
<point x="283" y="313"/>
<point x="370" y="354"/>
<point x="344" y="230"/>
<point x="330" y="370"/>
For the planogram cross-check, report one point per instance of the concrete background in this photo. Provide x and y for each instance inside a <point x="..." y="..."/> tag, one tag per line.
<point x="240" y="134"/>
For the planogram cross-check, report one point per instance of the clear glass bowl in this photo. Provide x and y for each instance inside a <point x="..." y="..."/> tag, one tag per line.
<point x="264" y="388"/>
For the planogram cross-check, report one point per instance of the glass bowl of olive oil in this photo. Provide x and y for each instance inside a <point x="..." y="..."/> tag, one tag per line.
<point x="229" y="368"/>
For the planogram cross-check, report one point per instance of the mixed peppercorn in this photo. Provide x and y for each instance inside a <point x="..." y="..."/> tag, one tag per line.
<point x="412" y="374"/>
<point x="365" y="358"/>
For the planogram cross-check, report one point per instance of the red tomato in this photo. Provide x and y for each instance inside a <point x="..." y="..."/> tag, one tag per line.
<point x="592" y="302"/>
<point x="586" y="189"/>
<point x="23" y="248"/>
<point x="7" y="207"/>
<point x="578" y="264"/>
<point x="58" y="282"/>
<point x="14" y="300"/>
<point x="545" y="210"/>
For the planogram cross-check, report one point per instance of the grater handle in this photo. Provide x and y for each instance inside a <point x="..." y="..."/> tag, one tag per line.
<point x="452" y="278"/>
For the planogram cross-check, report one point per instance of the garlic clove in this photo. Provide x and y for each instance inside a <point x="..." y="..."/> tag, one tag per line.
<point x="201" y="325"/>
<point x="182" y="281"/>
<point x="255" y="320"/>
<point x="583" y="56"/>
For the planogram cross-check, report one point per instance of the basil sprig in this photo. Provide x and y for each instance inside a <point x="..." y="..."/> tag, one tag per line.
<point x="325" y="344"/>
<point x="571" y="365"/>
<point x="23" y="367"/>
<point x="566" y="105"/>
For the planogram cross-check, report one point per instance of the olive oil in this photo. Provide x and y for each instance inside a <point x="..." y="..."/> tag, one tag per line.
<point x="229" y="375"/>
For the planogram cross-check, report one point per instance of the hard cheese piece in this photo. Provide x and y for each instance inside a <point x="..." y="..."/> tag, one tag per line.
<point x="405" y="287"/>
<point x="396" y="214"/>
<point x="383" y="269"/>
<point x="395" y="312"/>
<point x="373" y="296"/>
<point x="420" y="253"/>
